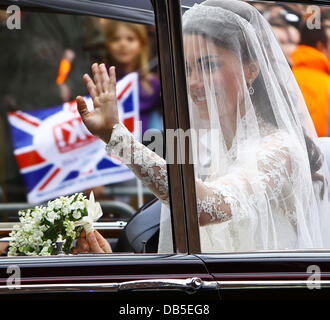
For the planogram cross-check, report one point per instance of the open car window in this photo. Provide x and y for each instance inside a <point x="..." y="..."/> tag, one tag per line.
<point x="47" y="153"/>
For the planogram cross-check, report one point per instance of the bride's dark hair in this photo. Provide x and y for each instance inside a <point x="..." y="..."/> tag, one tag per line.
<point x="261" y="102"/>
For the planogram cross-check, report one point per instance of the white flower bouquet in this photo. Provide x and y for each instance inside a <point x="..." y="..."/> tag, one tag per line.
<point x="61" y="221"/>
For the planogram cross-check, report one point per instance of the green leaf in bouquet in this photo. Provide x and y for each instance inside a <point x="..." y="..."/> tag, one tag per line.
<point x="52" y="250"/>
<point x="75" y="198"/>
<point x="50" y="233"/>
<point x="85" y="212"/>
<point x="67" y="245"/>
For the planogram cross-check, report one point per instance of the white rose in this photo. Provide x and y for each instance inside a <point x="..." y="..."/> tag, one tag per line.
<point x="65" y="210"/>
<point x="58" y="203"/>
<point x="37" y="235"/>
<point x="51" y="216"/>
<point x="81" y="205"/>
<point x="76" y="214"/>
<point x="44" y="251"/>
<point x="27" y="227"/>
<point x="47" y="243"/>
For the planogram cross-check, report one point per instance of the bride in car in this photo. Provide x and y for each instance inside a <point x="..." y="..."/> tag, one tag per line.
<point x="261" y="181"/>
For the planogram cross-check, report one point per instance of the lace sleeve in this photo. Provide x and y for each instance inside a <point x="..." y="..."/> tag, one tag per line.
<point x="216" y="201"/>
<point x="146" y="165"/>
<point x="268" y="179"/>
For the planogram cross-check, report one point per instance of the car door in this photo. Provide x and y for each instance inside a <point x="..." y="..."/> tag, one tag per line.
<point x="291" y="274"/>
<point x="114" y="276"/>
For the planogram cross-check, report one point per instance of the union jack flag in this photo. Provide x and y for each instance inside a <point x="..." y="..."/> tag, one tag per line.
<point x="56" y="153"/>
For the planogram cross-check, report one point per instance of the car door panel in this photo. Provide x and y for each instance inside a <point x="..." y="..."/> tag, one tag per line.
<point x="114" y="275"/>
<point x="271" y="275"/>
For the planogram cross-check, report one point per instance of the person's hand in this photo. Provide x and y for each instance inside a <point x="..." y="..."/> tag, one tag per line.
<point x="94" y="243"/>
<point x="99" y="192"/>
<point x="3" y="247"/>
<point x="102" y="90"/>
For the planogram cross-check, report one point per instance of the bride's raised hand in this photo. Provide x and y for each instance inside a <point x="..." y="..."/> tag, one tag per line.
<point x="102" y="90"/>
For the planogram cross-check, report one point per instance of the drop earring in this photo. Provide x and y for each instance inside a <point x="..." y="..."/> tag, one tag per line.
<point x="250" y="88"/>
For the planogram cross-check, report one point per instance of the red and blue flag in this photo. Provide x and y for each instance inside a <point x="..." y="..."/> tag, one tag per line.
<point x="57" y="155"/>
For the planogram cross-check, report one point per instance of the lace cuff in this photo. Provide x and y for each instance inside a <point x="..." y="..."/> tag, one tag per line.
<point x="120" y="143"/>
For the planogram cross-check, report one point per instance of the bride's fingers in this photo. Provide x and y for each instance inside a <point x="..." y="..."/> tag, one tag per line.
<point x="103" y="243"/>
<point x="81" y="246"/>
<point x="112" y="72"/>
<point x="90" y="86"/>
<point x="97" y="78"/>
<point x="104" y="77"/>
<point x="93" y="244"/>
<point x="82" y="107"/>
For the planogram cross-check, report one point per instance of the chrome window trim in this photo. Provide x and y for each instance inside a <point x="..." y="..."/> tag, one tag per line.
<point x="189" y="285"/>
<point x="270" y="254"/>
<point x="116" y="225"/>
<point x="308" y="255"/>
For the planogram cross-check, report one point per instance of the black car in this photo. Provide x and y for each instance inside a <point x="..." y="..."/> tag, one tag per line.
<point x="135" y="271"/>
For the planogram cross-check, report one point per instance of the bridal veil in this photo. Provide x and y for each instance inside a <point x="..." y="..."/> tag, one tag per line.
<point x="254" y="142"/>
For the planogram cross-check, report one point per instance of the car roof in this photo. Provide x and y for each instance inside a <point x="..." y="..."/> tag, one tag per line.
<point x="138" y="11"/>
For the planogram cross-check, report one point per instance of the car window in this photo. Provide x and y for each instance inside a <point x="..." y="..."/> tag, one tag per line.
<point x="230" y="181"/>
<point x="47" y="153"/>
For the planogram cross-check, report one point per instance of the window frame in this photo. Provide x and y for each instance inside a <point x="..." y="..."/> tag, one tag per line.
<point x="175" y="106"/>
<point x="175" y="14"/>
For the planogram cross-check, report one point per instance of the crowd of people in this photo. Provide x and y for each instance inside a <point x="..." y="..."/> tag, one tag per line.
<point x="304" y="35"/>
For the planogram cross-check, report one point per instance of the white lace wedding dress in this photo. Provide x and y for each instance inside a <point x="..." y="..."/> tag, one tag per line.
<point x="233" y="200"/>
